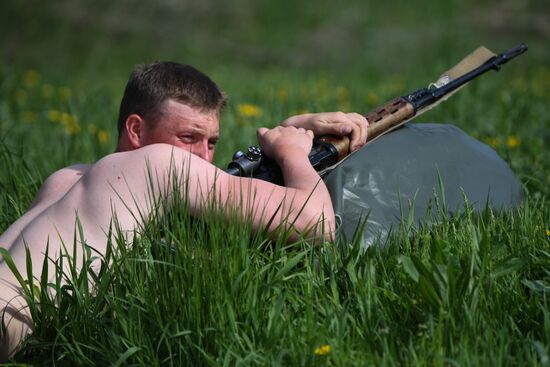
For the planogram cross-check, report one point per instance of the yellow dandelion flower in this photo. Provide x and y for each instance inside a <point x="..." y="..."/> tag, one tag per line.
<point x="29" y="117"/>
<point x="31" y="78"/>
<point x="512" y="141"/>
<point x="394" y="86"/>
<point x="54" y="116"/>
<point x="283" y="94"/>
<point x="548" y="232"/>
<point x="249" y="110"/>
<point x="344" y="106"/>
<point x="72" y="128"/>
<point x="520" y="84"/>
<point x="493" y="142"/>
<point x="103" y="136"/>
<point x="372" y="98"/>
<point x="64" y="94"/>
<point x="539" y="86"/>
<point x="20" y="95"/>
<point x="323" y="350"/>
<point x="92" y="128"/>
<point x="47" y="91"/>
<point x="342" y="94"/>
<point x="67" y="118"/>
<point x="321" y="87"/>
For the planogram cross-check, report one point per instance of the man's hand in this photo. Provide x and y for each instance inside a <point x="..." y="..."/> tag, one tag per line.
<point x="280" y="142"/>
<point x="305" y="199"/>
<point x="333" y="123"/>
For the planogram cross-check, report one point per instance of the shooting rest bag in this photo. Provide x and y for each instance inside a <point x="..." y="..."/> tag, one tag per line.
<point x="405" y="170"/>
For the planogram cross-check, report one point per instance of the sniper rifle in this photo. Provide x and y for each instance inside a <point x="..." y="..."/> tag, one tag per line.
<point x="329" y="150"/>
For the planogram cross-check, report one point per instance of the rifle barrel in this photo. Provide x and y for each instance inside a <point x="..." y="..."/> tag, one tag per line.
<point x="493" y="63"/>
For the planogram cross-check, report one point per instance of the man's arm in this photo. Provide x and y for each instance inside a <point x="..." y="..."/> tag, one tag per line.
<point x="124" y="183"/>
<point x="305" y="192"/>
<point x="301" y="204"/>
<point x="333" y="123"/>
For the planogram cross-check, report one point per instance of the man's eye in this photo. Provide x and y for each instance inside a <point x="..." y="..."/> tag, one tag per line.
<point x="187" y="139"/>
<point x="212" y="144"/>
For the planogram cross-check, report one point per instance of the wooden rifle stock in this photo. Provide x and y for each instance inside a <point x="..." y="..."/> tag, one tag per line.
<point x="381" y="120"/>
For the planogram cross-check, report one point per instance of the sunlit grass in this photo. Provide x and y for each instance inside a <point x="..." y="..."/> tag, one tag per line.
<point x="189" y="292"/>
<point x="471" y="290"/>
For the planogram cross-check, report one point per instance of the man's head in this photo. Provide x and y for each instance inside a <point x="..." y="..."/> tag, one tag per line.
<point x="167" y="102"/>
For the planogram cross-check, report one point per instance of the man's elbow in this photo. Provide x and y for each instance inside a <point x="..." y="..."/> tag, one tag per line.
<point x="319" y="226"/>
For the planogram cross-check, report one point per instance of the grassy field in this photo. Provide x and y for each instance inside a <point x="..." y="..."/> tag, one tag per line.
<point x="472" y="290"/>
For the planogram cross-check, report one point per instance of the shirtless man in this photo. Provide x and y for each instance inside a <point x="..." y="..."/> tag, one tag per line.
<point x="168" y="122"/>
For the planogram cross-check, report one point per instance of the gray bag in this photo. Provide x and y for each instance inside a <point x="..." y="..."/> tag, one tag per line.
<point x="411" y="165"/>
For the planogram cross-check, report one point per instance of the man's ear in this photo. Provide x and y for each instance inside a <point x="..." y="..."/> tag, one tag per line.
<point x="134" y="130"/>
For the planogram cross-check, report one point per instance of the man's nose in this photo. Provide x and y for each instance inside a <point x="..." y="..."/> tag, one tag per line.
<point x="201" y="149"/>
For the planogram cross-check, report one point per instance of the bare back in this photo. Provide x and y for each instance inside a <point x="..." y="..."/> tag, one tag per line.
<point x="92" y="194"/>
<point x="118" y="183"/>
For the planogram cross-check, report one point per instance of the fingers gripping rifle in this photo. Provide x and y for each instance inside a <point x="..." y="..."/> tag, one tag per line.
<point x="327" y="151"/>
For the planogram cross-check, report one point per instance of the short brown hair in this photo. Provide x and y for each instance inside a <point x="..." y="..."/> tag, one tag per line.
<point x="152" y="84"/>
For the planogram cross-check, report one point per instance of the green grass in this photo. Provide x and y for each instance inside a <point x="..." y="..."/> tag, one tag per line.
<point x="472" y="290"/>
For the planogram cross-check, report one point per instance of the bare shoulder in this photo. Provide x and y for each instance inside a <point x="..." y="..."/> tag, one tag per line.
<point x="68" y="174"/>
<point x="135" y="170"/>
<point x="154" y="157"/>
<point x="65" y="178"/>
<point x="59" y="183"/>
<point x="126" y="182"/>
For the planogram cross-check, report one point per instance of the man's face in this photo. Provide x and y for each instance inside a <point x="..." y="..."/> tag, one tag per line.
<point x="185" y="127"/>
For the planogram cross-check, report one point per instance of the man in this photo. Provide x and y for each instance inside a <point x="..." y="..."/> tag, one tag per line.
<point x="168" y="124"/>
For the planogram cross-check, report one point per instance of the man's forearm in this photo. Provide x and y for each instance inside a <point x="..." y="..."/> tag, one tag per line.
<point x="311" y="196"/>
